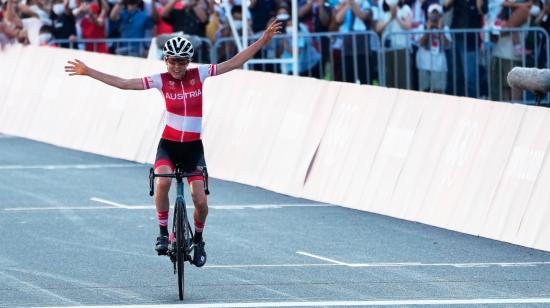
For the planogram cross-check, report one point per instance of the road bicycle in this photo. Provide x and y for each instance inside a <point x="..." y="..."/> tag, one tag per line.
<point x="181" y="238"/>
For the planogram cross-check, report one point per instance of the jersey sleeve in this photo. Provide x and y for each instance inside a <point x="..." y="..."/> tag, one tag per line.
<point x="207" y="70"/>
<point x="152" y="82"/>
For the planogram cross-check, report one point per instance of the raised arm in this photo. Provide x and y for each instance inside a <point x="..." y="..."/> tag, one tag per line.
<point x="11" y="15"/>
<point x="341" y="12"/>
<point x="357" y="10"/>
<point x="78" y="67"/>
<point x="115" y="12"/>
<point x="168" y="8"/>
<point x="239" y="59"/>
<point x="200" y="9"/>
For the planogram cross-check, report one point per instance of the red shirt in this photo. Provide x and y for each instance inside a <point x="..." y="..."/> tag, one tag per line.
<point x="162" y="26"/>
<point x="183" y="100"/>
<point x="92" y="31"/>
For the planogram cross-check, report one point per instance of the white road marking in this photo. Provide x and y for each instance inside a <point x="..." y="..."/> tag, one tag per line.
<point x="466" y="265"/>
<point x="37" y="288"/>
<point x="419" y="264"/>
<point x="266" y="206"/>
<point x="77" y="166"/>
<point x="58" y="208"/>
<point x="216" y="207"/>
<point x="115" y="293"/>
<point x="116" y="205"/>
<point x="439" y="302"/>
<point x="321" y="258"/>
<point x="109" y="203"/>
<point x="270" y="265"/>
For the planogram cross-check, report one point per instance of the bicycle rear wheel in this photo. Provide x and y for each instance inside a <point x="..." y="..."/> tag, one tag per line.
<point x="180" y="245"/>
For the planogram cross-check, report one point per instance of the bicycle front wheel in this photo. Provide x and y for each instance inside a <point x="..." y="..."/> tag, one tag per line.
<point x="180" y="245"/>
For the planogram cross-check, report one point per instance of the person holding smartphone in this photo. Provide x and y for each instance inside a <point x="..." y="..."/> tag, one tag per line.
<point x="189" y="17"/>
<point x="430" y="58"/>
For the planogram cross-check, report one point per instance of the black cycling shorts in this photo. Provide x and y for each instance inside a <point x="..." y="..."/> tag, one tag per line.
<point x="190" y="155"/>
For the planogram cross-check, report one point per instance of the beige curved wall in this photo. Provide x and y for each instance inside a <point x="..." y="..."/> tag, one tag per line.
<point x="468" y="165"/>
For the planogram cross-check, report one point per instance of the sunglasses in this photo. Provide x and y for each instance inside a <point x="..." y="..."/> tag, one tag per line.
<point x="180" y="61"/>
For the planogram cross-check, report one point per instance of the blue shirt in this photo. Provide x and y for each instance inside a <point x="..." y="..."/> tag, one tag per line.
<point x="308" y="56"/>
<point x="133" y="25"/>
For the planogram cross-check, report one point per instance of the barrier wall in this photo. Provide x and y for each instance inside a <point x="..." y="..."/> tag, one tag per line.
<point x="468" y="165"/>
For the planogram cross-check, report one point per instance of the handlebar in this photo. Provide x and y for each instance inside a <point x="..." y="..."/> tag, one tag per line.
<point x="177" y="174"/>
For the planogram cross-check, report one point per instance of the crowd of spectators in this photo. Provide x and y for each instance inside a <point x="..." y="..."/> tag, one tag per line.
<point x="424" y="58"/>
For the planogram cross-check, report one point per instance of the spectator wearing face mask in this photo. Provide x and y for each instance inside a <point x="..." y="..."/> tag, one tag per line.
<point x="228" y="48"/>
<point x="309" y="59"/>
<point x="64" y="23"/>
<point x="430" y="58"/>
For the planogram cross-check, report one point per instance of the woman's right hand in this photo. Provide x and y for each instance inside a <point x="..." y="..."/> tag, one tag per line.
<point x="76" y="67"/>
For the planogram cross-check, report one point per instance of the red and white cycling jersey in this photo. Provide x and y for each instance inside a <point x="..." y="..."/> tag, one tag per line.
<point x="183" y="101"/>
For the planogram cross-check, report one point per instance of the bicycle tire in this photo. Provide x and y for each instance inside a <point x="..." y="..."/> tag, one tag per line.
<point x="180" y="246"/>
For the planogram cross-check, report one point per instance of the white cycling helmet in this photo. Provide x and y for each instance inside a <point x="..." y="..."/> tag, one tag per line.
<point x="178" y="47"/>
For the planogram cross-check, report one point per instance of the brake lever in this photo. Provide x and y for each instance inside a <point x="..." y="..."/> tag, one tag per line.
<point x="151" y="182"/>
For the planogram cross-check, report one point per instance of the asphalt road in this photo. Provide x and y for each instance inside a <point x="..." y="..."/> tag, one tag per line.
<point x="78" y="229"/>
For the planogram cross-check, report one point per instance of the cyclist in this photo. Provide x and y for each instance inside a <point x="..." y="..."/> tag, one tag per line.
<point x="181" y="139"/>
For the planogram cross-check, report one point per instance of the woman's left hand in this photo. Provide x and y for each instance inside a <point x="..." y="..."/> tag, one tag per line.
<point x="273" y="29"/>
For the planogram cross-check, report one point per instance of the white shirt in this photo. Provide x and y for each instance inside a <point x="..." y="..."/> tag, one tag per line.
<point x="397" y="41"/>
<point x="432" y="57"/>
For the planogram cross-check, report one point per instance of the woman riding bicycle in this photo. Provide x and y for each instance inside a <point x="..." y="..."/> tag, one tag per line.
<point x="181" y="139"/>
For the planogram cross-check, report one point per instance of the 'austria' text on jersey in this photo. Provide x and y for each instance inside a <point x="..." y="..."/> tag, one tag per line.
<point x="183" y="101"/>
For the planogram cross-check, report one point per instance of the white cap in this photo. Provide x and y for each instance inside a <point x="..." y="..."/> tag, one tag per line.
<point x="392" y="2"/>
<point x="435" y="7"/>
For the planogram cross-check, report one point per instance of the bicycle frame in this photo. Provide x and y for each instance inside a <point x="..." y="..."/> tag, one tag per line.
<point x="180" y="205"/>
<point x="180" y="248"/>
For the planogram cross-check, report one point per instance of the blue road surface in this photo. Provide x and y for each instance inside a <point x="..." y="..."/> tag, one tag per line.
<point x="78" y="229"/>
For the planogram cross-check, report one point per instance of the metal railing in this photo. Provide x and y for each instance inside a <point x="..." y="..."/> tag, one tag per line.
<point x="350" y="57"/>
<point x="477" y="60"/>
<point x="138" y="47"/>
